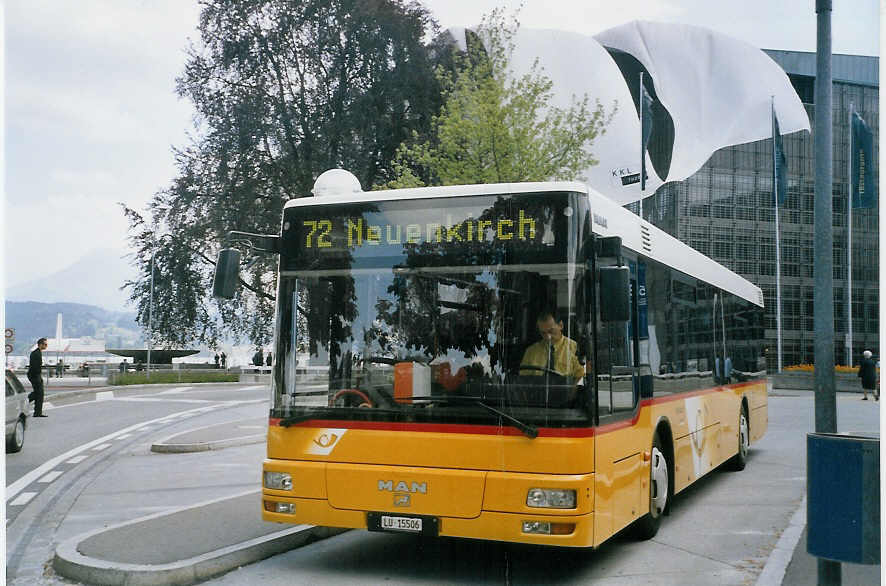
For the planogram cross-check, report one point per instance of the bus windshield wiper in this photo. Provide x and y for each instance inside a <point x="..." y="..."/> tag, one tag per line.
<point x="529" y="431"/>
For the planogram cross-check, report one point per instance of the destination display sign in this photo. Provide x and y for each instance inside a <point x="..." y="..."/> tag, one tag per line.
<point x="461" y="230"/>
<point x="359" y="232"/>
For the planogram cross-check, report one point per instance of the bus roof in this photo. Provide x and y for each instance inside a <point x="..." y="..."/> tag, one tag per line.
<point x="609" y="219"/>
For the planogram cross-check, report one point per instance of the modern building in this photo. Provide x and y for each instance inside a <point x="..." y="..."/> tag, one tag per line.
<point x="726" y="210"/>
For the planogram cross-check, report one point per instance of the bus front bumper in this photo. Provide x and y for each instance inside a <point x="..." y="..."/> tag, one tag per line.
<point x="556" y="530"/>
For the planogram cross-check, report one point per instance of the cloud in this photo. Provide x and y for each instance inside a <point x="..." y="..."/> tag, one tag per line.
<point x="91" y="116"/>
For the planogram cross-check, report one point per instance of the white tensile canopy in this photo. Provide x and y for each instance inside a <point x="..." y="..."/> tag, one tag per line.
<point x="710" y="91"/>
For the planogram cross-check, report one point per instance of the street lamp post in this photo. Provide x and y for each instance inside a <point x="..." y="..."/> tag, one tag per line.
<point x="150" y="313"/>
<point x="829" y="572"/>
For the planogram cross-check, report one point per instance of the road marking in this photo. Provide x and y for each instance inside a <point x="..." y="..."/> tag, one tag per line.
<point x="124" y="436"/>
<point x="174" y="391"/>
<point x="23" y="499"/>
<point x="16" y="487"/>
<point x="252" y="388"/>
<point x="104" y="395"/>
<point x="76" y="459"/>
<point x="101" y="447"/>
<point x="163" y="400"/>
<point x="51" y="476"/>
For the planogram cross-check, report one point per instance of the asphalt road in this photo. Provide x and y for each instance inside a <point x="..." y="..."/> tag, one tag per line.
<point x="89" y="465"/>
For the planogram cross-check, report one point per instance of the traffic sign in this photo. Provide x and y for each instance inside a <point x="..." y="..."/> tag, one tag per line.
<point x="10" y="333"/>
<point x="9" y="348"/>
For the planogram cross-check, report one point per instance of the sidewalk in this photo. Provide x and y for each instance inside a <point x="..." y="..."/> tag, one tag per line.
<point x="210" y="539"/>
<point x="190" y="544"/>
<point x="68" y="382"/>
<point x="803" y="570"/>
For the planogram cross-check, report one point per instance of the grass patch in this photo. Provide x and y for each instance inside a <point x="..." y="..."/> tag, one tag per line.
<point x="159" y="378"/>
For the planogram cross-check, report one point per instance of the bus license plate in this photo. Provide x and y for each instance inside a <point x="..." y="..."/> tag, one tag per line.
<point x="411" y="524"/>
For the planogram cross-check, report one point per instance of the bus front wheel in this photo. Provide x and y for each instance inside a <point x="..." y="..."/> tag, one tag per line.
<point x="659" y="489"/>
<point x="740" y="459"/>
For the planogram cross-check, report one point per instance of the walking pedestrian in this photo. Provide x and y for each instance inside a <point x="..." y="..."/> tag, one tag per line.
<point x="268" y="360"/>
<point x="35" y="375"/>
<point x="867" y="372"/>
<point x="216" y="359"/>
<point x="224" y="360"/>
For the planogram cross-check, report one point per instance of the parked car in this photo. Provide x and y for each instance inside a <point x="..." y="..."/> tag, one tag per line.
<point x="16" y="413"/>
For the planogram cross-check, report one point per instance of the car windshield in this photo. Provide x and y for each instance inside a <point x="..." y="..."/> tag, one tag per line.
<point x="403" y="335"/>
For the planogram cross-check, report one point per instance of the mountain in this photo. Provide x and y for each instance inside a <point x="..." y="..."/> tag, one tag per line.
<point x="33" y="320"/>
<point x="93" y="280"/>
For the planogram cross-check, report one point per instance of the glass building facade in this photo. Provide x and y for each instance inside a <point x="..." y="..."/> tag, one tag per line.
<point x="726" y="211"/>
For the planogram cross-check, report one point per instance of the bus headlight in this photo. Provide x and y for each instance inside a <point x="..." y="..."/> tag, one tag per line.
<point x="546" y="528"/>
<point x="285" y="508"/>
<point x="278" y="480"/>
<point x="550" y="498"/>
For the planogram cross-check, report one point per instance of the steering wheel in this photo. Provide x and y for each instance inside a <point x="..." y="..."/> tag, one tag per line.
<point x="350" y="398"/>
<point x="541" y="369"/>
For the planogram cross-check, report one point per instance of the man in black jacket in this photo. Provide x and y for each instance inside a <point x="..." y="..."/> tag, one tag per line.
<point x="35" y="375"/>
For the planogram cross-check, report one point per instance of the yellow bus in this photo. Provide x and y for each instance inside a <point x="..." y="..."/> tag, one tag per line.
<point x="522" y="362"/>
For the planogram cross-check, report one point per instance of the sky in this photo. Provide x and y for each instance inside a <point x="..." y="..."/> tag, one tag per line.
<point x="91" y="117"/>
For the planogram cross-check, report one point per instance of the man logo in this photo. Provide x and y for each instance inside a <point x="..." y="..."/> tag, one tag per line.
<point x="402" y="500"/>
<point x="402" y="486"/>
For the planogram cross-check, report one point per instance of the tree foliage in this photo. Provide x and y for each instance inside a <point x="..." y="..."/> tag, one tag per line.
<point x="283" y="90"/>
<point x="495" y="127"/>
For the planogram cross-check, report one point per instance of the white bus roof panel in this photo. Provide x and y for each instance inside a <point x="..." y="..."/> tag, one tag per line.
<point x="608" y="219"/>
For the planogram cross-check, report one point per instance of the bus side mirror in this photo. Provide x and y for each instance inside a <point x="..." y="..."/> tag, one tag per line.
<point x="615" y="294"/>
<point x="227" y="269"/>
<point x="608" y="247"/>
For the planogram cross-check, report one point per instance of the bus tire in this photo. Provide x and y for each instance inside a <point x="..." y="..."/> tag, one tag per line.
<point x="740" y="459"/>
<point x="659" y="490"/>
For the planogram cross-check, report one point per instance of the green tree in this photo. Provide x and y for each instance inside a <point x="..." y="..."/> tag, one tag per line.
<point x="283" y="90"/>
<point x="494" y="127"/>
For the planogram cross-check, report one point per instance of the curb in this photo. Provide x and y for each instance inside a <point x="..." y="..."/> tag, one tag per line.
<point x="165" y="446"/>
<point x="65" y="394"/>
<point x="780" y="557"/>
<point x="70" y="563"/>
<point x="162" y="447"/>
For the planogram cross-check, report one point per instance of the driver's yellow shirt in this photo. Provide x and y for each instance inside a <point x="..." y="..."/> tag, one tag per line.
<point x="565" y="358"/>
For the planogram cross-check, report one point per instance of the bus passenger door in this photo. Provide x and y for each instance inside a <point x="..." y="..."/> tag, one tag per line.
<point x="619" y="446"/>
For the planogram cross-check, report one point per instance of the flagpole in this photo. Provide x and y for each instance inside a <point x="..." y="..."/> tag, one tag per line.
<point x="849" y="245"/>
<point x="642" y="148"/>
<point x="777" y="241"/>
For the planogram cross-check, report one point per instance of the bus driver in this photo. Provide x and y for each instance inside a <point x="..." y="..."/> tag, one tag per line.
<point x="554" y="352"/>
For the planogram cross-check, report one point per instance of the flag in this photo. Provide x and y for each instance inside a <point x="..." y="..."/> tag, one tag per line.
<point x="779" y="164"/>
<point x="863" y="189"/>
<point x="645" y="130"/>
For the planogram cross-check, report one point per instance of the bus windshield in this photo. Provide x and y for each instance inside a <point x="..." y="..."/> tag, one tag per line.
<point x="448" y="310"/>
